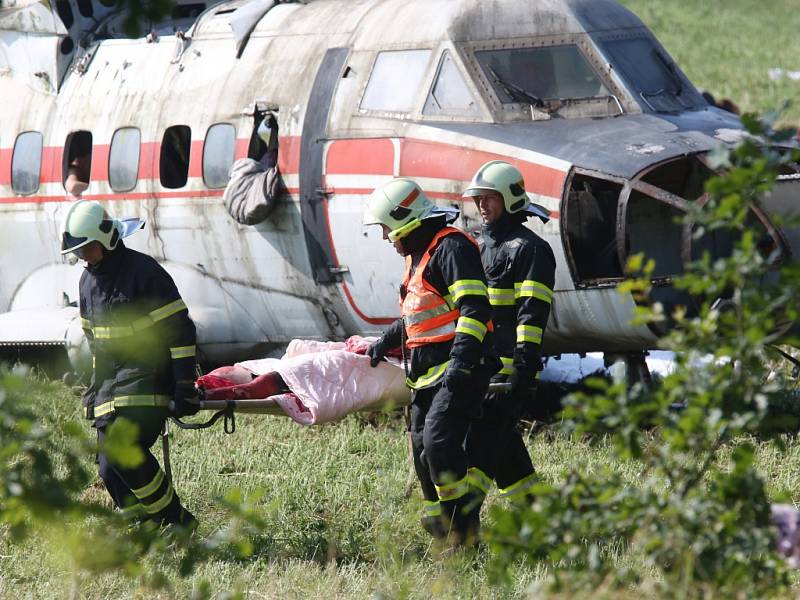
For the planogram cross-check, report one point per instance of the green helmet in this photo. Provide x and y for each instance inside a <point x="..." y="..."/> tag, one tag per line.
<point x="505" y="179"/>
<point x="87" y="222"/>
<point x="401" y="205"/>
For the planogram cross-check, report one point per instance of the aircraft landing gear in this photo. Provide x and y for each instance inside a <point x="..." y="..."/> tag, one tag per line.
<point x="630" y="367"/>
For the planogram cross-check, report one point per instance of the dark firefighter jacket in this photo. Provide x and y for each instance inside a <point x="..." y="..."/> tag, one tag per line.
<point x="454" y="260"/>
<point x="520" y="269"/>
<point x="139" y="331"/>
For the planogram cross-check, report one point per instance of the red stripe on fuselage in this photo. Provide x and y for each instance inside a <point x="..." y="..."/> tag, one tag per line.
<point x="115" y="197"/>
<point x="372" y="156"/>
<point x="196" y="159"/>
<point x="419" y="158"/>
<point x="436" y="160"/>
<point x="289" y="154"/>
<point x="51" y="164"/>
<point x="100" y="162"/>
<point x="5" y="166"/>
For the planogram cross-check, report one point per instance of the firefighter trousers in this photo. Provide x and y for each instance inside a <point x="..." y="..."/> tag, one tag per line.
<point x="497" y="452"/>
<point x="440" y="419"/>
<point x="142" y="491"/>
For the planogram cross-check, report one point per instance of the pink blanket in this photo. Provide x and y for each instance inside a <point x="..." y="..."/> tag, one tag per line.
<point x="330" y="382"/>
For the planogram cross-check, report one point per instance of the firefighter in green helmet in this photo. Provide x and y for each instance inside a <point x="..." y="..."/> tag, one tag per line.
<point x="446" y="327"/>
<point x="143" y="352"/>
<point x="520" y="269"/>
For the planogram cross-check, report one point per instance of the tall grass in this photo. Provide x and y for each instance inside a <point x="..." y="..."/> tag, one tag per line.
<point x="341" y="509"/>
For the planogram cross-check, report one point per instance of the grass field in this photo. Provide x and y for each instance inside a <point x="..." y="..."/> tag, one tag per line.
<point x="340" y="522"/>
<point x="339" y="501"/>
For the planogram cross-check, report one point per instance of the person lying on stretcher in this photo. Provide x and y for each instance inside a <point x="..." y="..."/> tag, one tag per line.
<point x="314" y="382"/>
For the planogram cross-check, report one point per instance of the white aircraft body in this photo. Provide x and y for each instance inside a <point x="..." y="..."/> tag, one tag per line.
<point x="610" y="135"/>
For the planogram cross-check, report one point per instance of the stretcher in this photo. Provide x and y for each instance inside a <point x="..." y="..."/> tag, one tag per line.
<point x="270" y="406"/>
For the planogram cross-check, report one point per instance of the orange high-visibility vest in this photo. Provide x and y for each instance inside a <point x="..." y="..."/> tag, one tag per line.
<point x="428" y="317"/>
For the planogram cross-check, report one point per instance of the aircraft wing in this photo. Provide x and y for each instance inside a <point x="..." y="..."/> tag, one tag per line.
<point x="54" y="326"/>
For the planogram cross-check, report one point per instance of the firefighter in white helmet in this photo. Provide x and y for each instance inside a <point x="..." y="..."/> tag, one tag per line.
<point x="446" y="327"/>
<point x="520" y="268"/>
<point x="143" y="347"/>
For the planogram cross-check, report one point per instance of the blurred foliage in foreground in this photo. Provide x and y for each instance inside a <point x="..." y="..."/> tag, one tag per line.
<point x="699" y="517"/>
<point x="43" y="479"/>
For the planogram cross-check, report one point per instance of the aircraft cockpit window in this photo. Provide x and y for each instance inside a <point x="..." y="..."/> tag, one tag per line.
<point x="77" y="166"/>
<point x="26" y="163"/>
<point x="450" y="94"/>
<point x="650" y="75"/>
<point x="174" y="161"/>
<point x="535" y="75"/>
<point x="395" y="80"/>
<point x="123" y="159"/>
<point x="218" y="153"/>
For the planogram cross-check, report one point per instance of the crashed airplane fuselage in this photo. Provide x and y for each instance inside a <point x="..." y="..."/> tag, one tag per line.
<point x="610" y="136"/>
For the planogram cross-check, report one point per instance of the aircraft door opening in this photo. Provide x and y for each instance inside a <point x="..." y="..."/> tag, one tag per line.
<point x="313" y="198"/>
<point x="590" y="224"/>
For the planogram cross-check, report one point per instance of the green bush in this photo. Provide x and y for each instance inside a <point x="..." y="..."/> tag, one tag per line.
<point x="698" y="521"/>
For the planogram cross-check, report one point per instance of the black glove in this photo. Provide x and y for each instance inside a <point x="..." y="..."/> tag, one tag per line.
<point x="523" y="388"/>
<point x="458" y="377"/>
<point x="185" y="401"/>
<point x="377" y="352"/>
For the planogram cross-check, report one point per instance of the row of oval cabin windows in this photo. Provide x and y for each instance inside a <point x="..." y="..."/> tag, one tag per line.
<point x="124" y="157"/>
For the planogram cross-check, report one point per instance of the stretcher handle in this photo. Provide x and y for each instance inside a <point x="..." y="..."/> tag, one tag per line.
<point x="234" y="404"/>
<point x="225" y="410"/>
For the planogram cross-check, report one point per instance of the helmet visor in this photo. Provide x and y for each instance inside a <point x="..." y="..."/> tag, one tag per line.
<point x="477" y="191"/>
<point x="70" y="243"/>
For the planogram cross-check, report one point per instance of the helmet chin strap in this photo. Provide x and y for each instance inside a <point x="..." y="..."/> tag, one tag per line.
<point x="401" y="232"/>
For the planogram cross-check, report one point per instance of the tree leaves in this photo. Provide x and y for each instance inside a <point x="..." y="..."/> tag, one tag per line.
<point x="700" y="516"/>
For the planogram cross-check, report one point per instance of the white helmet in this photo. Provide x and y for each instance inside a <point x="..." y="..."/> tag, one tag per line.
<point x="505" y="179"/>
<point x="401" y="205"/>
<point x="86" y="222"/>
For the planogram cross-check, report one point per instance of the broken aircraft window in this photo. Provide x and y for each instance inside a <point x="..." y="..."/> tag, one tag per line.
<point x="218" y="152"/>
<point x="685" y="177"/>
<point x="395" y="80"/>
<point x="591" y="222"/>
<point x="721" y="242"/>
<point x="77" y="165"/>
<point x="26" y="163"/>
<point x="530" y="74"/>
<point x="655" y="230"/>
<point x="174" y="162"/>
<point x="650" y="75"/>
<point x="265" y="130"/>
<point x="123" y="159"/>
<point x="450" y="94"/>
